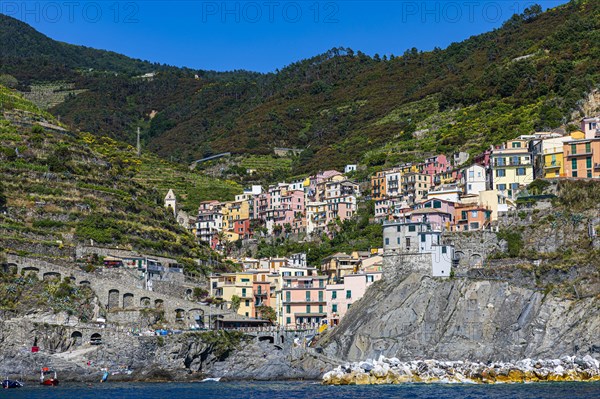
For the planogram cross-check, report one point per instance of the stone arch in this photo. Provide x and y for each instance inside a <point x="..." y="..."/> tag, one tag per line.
<point x="85" y="282"/>
<point x="113" y="299"/>
<point x="159" y="303"/>
<point x="29" y="269"/>
<point x="96" y="339"/>
<point x="266" y="338"/>
<point x="145" y="302"/>
<point x="476" y="260"/>
<point x="77" y="338"/>
<point x="128" y="301"/>
<point x="51" y="276"/>
<point x="188" y="292"/>
<point x="179" y="314"/>
<point x="11" y="268"/>
<point x="460" y="255"/>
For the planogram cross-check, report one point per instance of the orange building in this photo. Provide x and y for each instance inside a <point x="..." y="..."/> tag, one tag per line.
<point x="379" y="185"/>
<point x="471" y="217"/>
<point x="582" y="158"/>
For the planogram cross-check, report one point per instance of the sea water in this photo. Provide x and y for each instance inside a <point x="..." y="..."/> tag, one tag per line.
<point x="302" y="389"/>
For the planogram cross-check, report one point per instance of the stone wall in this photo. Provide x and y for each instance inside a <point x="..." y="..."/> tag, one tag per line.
<point x="473" y="248"/>
<point x="398" y="265"/>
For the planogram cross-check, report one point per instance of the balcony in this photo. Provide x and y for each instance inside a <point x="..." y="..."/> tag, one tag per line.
<point x="552" y="164"/>
<point x="511" y="163"/>
<point x="597" y="167"/>
<point x="569" y="154"/>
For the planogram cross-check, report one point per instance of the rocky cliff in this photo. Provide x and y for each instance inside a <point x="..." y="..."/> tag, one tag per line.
<point x="187" y="356"/>
<point x="464" y="319"/>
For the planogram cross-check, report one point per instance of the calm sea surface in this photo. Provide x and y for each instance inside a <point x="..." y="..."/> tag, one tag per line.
<point x="291" y="390"/>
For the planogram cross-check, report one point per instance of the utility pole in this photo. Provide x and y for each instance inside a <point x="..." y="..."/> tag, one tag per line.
<point x="139" y="146"/>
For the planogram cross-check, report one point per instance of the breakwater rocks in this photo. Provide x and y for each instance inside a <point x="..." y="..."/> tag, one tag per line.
<point x="393" y="371"/>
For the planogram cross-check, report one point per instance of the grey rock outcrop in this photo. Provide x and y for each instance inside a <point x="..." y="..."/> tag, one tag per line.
<point x="419" y="317"/>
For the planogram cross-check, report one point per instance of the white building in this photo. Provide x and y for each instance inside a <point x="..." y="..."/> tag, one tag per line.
<point x="448" y="192"/>
<point x="171" y="202"/>
<point x="418" y="239"/>
<point x="350" y="168"/>
<point x="474" y="179"/>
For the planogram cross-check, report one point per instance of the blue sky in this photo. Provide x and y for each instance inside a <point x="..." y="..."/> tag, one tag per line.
<point x="261" y="35"/>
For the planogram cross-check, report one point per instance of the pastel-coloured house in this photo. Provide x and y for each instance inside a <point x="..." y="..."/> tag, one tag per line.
<point x="512" y="167"/>
<point x="582" y="158"/>
<point x="471" y="217"/>
<point x="303" y="301"/>
<point x="340" y="297"/>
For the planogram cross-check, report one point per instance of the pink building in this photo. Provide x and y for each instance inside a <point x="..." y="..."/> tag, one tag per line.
<point x="438" y="213"/>
<point x="434" y="165"/>
<point x="341" y="296"/>
<point x="304" y="303"/>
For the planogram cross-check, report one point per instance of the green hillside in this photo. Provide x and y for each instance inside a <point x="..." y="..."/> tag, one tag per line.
<point x="531" y="73"/>
<point x="60" y="188"/>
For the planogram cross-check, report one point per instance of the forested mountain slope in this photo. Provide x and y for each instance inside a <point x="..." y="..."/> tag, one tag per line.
<point x="345" y="106"/>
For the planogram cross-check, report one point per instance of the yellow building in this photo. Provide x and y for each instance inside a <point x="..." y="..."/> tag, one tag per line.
<point x="234" y="211"/>
<point x="254" y="288"/>
<point x="553" y="164"/>
<point x="512" y="167"/>
<point x="225" y="286"/>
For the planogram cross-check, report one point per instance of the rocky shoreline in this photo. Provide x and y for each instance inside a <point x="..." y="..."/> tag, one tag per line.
<point x="393" y="371"/>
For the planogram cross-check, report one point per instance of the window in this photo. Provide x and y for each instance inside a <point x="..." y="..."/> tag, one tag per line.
<point x="245" y="280"/>
<point x="288" y="309"/>
<point x="333" y="294"/>
<point x="500" y="172"/>
<point x="288" y="296"/>
<point x="412" y="227"/>
<point x="243" y="292"/>
<point x="320" y="308"/>
<point x="387" y="241"/>
<point x="516" y="144"/>
<point x="422" y="237"/>
<point x="573" y="149"/>
<point x="574" y="174"/>
<point x="307" y="308"/>
<point x="474" y="225"/>
<point x="473" y="214"/>
<point x="247" y="302"/>
<point x="299" y="274"/>
<point x="288" y="320"/>
<point x="407" y="243"/>
<point x="588" y="162"/>
<point x="349" y="305"/>
<point x="348" y="294"/>
<point x="334" y="308"/>
<point x="471" y="174"/>
<point x="308" y="295"/>
<point x="321" y="283"/>
<point x="588" y="147"/>
<point x="574" y="164"/>
<point x="589" y="173"/>
<point x="501" y="187"/>
<point x="437" y="204"/>
<point x="443" y="250"/>
<point x="320" y="296"/>
<point x="514" y="186"/>
<point x="398" y="229"/>
<point x="520" y="171"/>
<point x="463" y="215"/>
<point x="370" y="278"/>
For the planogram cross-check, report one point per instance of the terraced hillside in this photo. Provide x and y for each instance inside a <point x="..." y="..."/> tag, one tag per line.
<point x="61" y="188"/>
